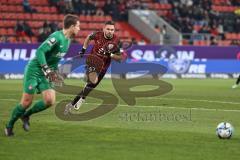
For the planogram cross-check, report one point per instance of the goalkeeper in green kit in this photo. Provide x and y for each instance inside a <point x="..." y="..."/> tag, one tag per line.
<point x="40" y="73"/>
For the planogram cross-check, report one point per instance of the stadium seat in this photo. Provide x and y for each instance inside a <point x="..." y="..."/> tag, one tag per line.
<point x="3" y="31"/>
<point x="10" y="32"/>
<point x="14" y="2"/>
<point x="98" y="18"/>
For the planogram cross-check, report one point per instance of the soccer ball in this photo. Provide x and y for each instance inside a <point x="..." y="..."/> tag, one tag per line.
<point x="224" y="130"/>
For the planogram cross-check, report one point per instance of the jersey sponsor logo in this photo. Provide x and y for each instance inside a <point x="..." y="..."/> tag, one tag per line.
<point x="110" y="46"/>
<point x="60" y="55"/>
<point x="52" y="41"/>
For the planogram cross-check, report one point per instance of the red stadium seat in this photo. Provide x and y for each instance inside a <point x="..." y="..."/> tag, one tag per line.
<point x="2" y="23"/>
<point x="201" y="43"/>
<point x="10" y="32"/>
<point x="107" y="18"/>
<point x="224" y="43"/>
<point x="84" y="26"/>
<point x="4" y="1"/>
<point x="15" y="2"/>
<point x="88" y="18"/>
<point x="12" y="39"/>
<point x="125" y="34"/>
<point x="118" y="26"/>
<point x="19" y="8"/>
<point x="85" y="33"/>
<point x="3" y="31"/>
<point x="60" y="17"/>
<point x="53" y="10"/>
<point x="98" y="18"/>
<point x="11" y="23"/>
<point x="82" y="18"/>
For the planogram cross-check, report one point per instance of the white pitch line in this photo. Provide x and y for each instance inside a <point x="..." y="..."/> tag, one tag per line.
<point x="8" y="99"/>
<point x="152" y="106"/>
<point x="195" y="100"/>
<point x="171" y="107"/>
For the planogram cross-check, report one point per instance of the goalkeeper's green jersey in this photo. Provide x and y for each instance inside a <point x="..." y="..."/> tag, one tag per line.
<point x="49" y="52"/>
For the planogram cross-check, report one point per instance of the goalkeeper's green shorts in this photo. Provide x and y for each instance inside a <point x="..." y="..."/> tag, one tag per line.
<point x="35" y="83"/>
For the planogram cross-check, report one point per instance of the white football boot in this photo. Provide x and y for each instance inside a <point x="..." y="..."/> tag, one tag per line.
<point x="79" y="103"/>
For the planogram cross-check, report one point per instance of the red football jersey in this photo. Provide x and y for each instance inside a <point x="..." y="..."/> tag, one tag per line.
<point x="98" y="48"/>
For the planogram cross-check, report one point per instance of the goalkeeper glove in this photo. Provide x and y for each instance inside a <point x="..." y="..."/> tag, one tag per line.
<point x="49" y="74"/>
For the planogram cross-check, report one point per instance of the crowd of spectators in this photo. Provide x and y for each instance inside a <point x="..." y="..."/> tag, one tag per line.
<point x="191" y="17"/>
<point x="115" y="8"/>
<point x="197" y="17"/>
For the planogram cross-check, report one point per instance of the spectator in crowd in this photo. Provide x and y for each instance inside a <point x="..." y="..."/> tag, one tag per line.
<point x="27" y="29"/>
<point x="235" y="2"/>
<point x="4" y="39"/>
<point x="53" y="27"/>
<point x="61" y="7"/>
<point x="19" y="29"/>
<point x="98" y="10"/>
<point x="235" y="42"/>
<point x="44" y="32"/>
<point x="69" y="6"/>
<point x="157" y="28"/>
<point x="213" y="40"/>
<point x="77" y="4"/>
<point x="134" y="41"/>
<point x="27" y="8"/>
<point x="122" y="9"/>
<point x="107" y="8"/>
<point x="141" y="42"/>
<point x="53" y="2"/>
<point x="91" y="8"/>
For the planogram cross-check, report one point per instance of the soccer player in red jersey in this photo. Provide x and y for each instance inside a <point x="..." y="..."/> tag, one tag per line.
<point x="106" y="47"/>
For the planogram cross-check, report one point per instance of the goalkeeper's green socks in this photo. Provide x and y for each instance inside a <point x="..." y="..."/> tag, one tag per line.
<point x="17" y="112"/>
<point x="37" y="107"/>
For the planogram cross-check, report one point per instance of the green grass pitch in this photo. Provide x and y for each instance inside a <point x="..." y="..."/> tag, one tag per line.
<point x="199" y="104"/>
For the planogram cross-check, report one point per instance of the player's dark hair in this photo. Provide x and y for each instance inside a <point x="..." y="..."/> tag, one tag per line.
<point x="110" y="23"/>
<point x="70" y="20"/>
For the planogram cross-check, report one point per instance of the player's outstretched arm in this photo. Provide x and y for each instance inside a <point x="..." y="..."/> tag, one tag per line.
<point x="86" y="43"/>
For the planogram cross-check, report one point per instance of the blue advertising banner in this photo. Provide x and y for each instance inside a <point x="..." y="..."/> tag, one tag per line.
<point x="177" y="59"/>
